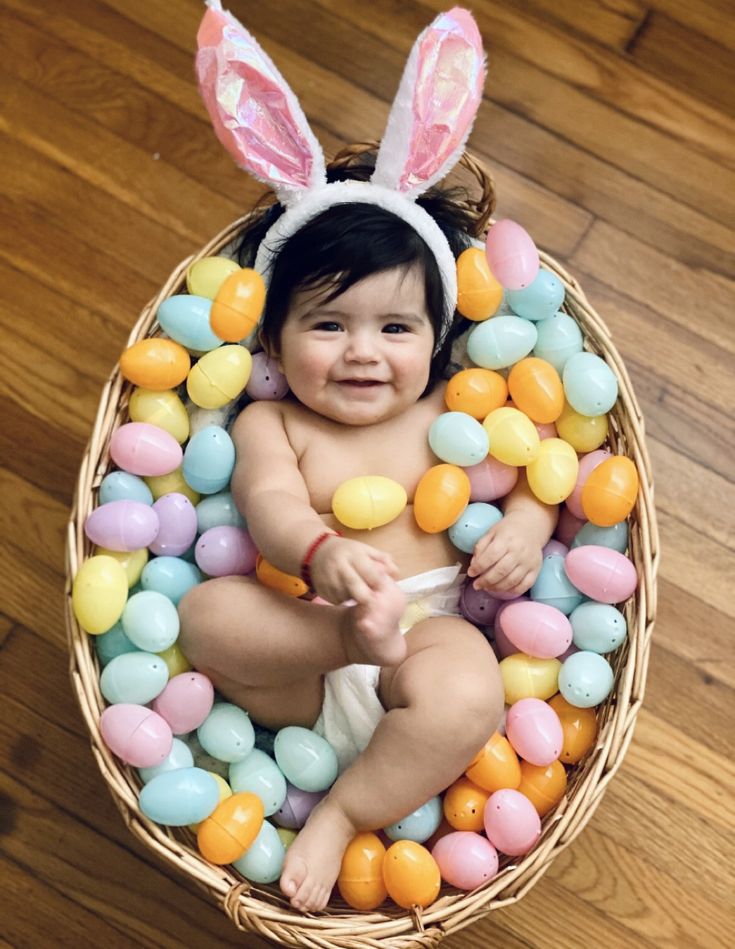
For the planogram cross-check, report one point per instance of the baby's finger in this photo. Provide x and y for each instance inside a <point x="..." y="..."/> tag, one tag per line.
<point x="498" y="572"/>
<point x="387" y="562"/>
<point x="485" y="559"/>
<point x="359" y="590"/>
<point x="509" y="582"/>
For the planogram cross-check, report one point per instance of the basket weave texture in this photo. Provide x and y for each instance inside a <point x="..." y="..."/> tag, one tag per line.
<point x="262" y="908"/>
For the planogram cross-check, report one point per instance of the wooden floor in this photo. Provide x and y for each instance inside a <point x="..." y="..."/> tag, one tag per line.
<point x="608" y="126"/>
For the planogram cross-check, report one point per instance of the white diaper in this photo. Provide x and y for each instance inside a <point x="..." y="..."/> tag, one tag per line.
<point x="351" y="708"/>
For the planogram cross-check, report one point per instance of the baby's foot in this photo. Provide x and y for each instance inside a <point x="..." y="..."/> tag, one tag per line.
<point x="314" y="859"/>
<point x="372" y="634"/>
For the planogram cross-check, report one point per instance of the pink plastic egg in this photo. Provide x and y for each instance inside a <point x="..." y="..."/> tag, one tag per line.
<point x="466" y="859"/>
<point x="601" y="573"/>
<point x="185" y="702"/>
<point x="145" y="449"/>
<point x="491" y="479"/>
<point x="122" y="525"/>
<point x="178" y="519"/>
<point x="537" y="629"/>
<point x="136" y="734"/>
<point x="568" y="526"/>
<point x="266" y="380"/>
<point x="511" y="822"/>
<point x="534" y="730"/>
<point x="512" y="255"/>
<point x="503" y="646"/>
<point x="587" y="464"/>
<point x="225" y="551"/>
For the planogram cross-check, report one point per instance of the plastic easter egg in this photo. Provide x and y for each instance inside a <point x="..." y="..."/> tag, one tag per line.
<point x="543" y="785"/>
<point x="458" y="439"/>
<point x="410" y="874"/>
<point x="511" y="254"/>
<point x="263" y="861"/>
<point x="615" y="536"/>
<point x="473" y="523"/>
<point x="495" y="766"/>
<point x="136" y="734"/>
<point x="502" y="645"/>
<point x="306" y="759"/>
<point x="465" y="859"/>
<point x="237" y="307"/>
<point x="553" y="587"/>
<point x="204" y="760"/>
<point x="610" y="492"/>
<point x="476" y="392"/>
<point x="231" y="828"/>
<point x="590" y="384"/>
<point x="185" y="318"/>
<point x="368" y="501"/>
<point x="181" y="797"/>
<point x="491" y="479"/>
<point x="134" y="677"/>
<point x="534" y="730"/>
<point x="123" y="486"/>
<point x="266" y="379"/>
<point x="585" y="679"/>
<point x="513" y="437"/>
<point x="441" y="495"/>
<point x="511" y="822"/>
<point x="537" y="629"/>
<point x="286" y="836"/>
<point x="171" y="483"/>
<point x="226" y="551"/>
<point x="176" y="661"/>
<point x="478" y="606"/>
<point x="132" y="561"/>
<point x="171" y="576"/>
<point x="150" y="621"/>
<point x="122" y="525"/>
<point x="553" y="472"/>
<point x="500" y="342"/>
<point x="587" y="464"/>
<point x="99" y="594"/>
<point x="144" y="449"/>
<point x="360" y="881"/>
<point x="219" y="376"/>
<point x="185" y="702"/>
<point x="567" y="526"/>
<point x="218" y="510"/>
<point x="540" y="299"/>
<point x="296" y="807"/>
<point x="584" y="433"/>
<point x="554" y="547"/>
<point x="478" y="292"/>
<point x="179" y="757"/>
<point x="526" y="677"/>
<point x="463" y="804"/>
<point x="178" y="525"/>
<point x="559" y="338"/>
<point x="579" y="726"/>
<point x="276" y="579"/>
<point x="227" y="733"/>
<point x="259" y="774"/>
<point x="155" y="363"/>
<point x="598" y="627"/>
<point x="225" y="791"/>
<point x="601" y="573"/>
<point x="535" y="387"/>
<point x="204" y="277"/>
<point x="420" y="824"/>
<point x="164" y="409"/>
<point x="112" y="643"/>
<point x="209" y="460"/>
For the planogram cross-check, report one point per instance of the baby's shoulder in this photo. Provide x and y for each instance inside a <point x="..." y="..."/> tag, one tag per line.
<point x="255" y="418"/>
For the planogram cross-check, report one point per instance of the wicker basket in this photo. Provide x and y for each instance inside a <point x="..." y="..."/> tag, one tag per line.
<point x="262" y="908"/>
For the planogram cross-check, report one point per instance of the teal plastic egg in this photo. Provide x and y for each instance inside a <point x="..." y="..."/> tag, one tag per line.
<point x="113" y="643"/>
<point x="559" y="338"/>
<point x="419" y="825"/>
<point x="474" y="522"/>
<point x="209" y="460"/>
<point x="598" y="627"/>
<point x="614" y="537"/>
<point x="585" y="679"/>
<point x="554" y="587"/>
<point x="540" y="299"/>
<point x="179" y="757"/>
<point x="218" y="510"/>
<point x="203" y="759"/>
<point x="227" y="733"/>
<point x="458" y="439"/>
<point x="589" y="384"/>
<point x="307" y="760"/>
<point x="262" y="862"/>
<point x="123" y="486"/>
<point x="135" y="677"/>
<point x="501" y="341"/>
<point x="259" y="774"/>
<point x="171" y="576"/>
<point x="181" y="797"/>
<point x="185" y="318"/>
<point x="150" y="621"/>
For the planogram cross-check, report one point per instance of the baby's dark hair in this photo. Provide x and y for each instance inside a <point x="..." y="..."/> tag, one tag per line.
<point x="349" y="242"/>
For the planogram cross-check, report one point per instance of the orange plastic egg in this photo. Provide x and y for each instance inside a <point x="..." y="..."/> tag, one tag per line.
<point x="441" y="495"/>
<point x="583" y="432"/>
<point x="464" y="804"/>
<point x="237" y="307"/>
<point x="271" y="576"/>
<point x="536" y="388"/>
<point x="543" y="785"/>
<point x="579" y="727"/>
<point x="495" y="766"/>
<point x="155" y="364"/>
<point x="476" y="392"/>
<point x="360" y="881"/>
<point x="231" y="828"/>
<point x="411" y="875"/>
<point x="610" y="492"/>
<point x="478" y="292"/>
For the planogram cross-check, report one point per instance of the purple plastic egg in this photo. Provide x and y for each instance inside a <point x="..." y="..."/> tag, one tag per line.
<point x="136" y="734"/>
<point x="554" y="548"/>
<point x="145" y="449"/>
<point x="491" y="479"/>
<point x="178" y="519"/>
<point x="478" y="606"/>
<point x="587" y="464"/>
<point x="567" y="527"/>
<point x="225" y="551"/>
<point x="601" y="573"/>
<point x="185" y="702"/>
<point x="295" y="810"/>
<point x="465" y="859"/>
<point x="266" y="380"/>
<point x="534" y="730"/>
<point x="512" y="255"/>
<point x="511" y="822"/>
<point x="122" y="525"/>
<point x="537" y="629"/>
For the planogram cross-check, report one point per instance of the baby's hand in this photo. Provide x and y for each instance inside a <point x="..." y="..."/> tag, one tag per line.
<point x="508" y="558"/>
<point x="344" y="569"/>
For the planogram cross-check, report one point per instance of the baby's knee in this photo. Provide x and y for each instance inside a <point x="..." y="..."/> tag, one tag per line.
<point x="198" y="610"/>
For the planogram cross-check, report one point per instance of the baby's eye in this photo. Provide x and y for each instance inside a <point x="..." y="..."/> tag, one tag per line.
<point x="329" y="326"/>
<point x="396" y="328"/>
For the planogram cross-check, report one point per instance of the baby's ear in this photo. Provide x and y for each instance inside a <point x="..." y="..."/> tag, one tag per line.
<point x="272" y="352"/>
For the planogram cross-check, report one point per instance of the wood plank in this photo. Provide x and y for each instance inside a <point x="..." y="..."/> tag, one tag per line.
<point x="612" y="23"/>
<point x="711" y="18"/>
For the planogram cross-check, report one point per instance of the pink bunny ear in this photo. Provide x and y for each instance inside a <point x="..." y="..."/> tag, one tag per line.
<point x="254" y="112"/>
<point x="436" y="103"/>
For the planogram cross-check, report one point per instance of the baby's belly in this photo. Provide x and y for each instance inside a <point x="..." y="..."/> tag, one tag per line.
<point x="412" y="549"/>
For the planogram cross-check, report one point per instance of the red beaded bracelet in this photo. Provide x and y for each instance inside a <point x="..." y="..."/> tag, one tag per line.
<point x="306" y="563"/>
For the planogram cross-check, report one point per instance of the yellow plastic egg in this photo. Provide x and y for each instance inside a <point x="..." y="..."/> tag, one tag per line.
<point x="478" y="292"/>
<point x="271" y="576"/>
<point x="225" y="791"/>
<point x="441" y="495"/>
<point x="495" y="766"/>
<point x="287" y="836"/>
<point x="206" y="276"/>
<point x="536" y="388"/>
<point x="99" y="594"/>
<point x="543" y="785"/>
<point x="173" y="481"/>
<point x="514" y="439"/>
<point x="219" y="376"/>
<point x="368" y="501"/>
<point x="411" y="874"/>
<point x="155" y="363"/>
<point x="552" y="474"/>
<point x="176" y="661"/>
<point x="360" y="880"/>
<point x="164" y="409"/>
<point x="464" y="804"/>
<point x="231" y="828"/>
<point x="583" y="432"/>
<point x="132" y="561"/>
<point x="526" y="677"/>
<point x="609" y="493"/>
<point x="237" y="307"/>
<point x="476" y="391"/>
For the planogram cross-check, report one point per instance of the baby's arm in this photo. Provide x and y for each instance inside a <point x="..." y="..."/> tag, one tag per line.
<point x="508" y="557"/>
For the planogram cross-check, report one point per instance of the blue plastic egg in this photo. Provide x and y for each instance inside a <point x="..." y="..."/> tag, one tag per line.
<point x="614" y="537"/>
<point x="554" y="587"/>
<point x="458" y="439"/>
<point x="227" y="733"/>
<point x="559" y="338"/>
<point x="501" y="341"/>
<point x="181" y="797"/>
<point x="123" y="486"/>
<point x="589" y="384"/>
<point x="218" y="510"/>
<point x="209" y="460"/>
<point x="419" y="825"/>
<point x="308" y="760"/>
<point x="585" y="679"/>
<point x="474" y="522"/>
<point x="113" y="643"/>
<point x="185" y="318"/>
<point x="179" y="757"/>
<point x="598" y="627"/>
<point x="134" y="677"/>
<point x="171" y="576"/>
<point x="150" y="621"/>
<point x="262" y="862"/>
<point x="540" y="299"/>
<point x="259" y="774"/>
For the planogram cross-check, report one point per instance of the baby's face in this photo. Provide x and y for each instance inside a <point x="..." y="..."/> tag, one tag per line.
<point x="363" y="357"/>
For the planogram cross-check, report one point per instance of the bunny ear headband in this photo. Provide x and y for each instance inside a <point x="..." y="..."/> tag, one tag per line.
<point x="259" y="121"/>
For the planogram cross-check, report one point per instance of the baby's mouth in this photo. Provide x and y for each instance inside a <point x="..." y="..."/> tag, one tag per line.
<point x="361" y="383"/>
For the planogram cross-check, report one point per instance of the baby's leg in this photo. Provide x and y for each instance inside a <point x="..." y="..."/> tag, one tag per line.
<point x="443" y="701"/>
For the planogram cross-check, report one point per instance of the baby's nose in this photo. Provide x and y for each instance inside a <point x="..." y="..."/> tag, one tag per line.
<point x="361" y="347"/>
